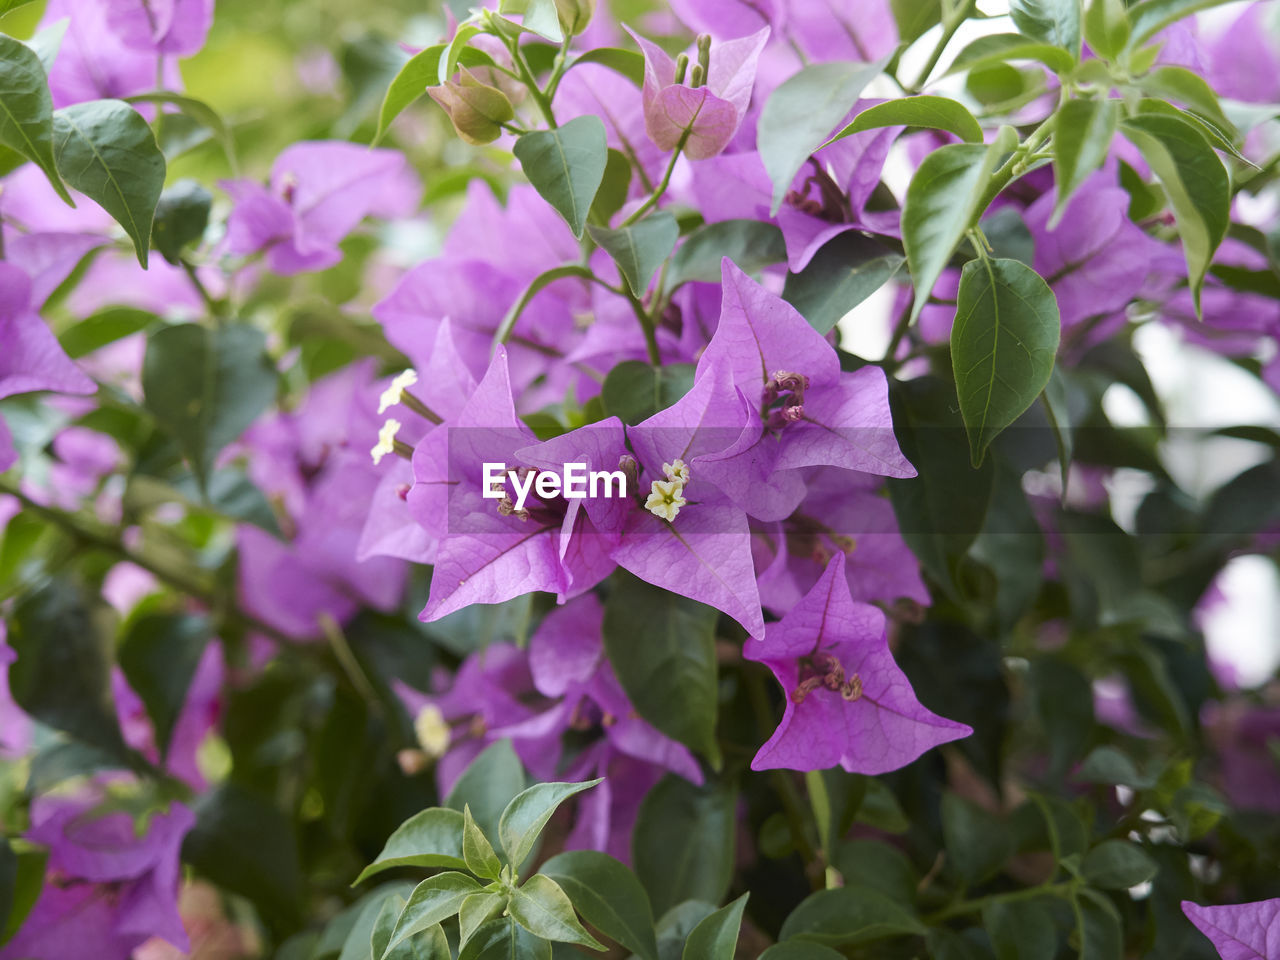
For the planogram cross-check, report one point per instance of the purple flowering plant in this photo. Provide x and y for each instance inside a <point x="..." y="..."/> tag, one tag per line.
<point x="540" y="478"/>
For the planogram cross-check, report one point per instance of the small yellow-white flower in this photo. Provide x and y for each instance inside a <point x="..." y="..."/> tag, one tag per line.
<point x="676" y="470"/>
<point x="432" y="731"/>
<point x="386" y="440"/>
<point x="391" y="396"/>
<point x="666" y="497"/>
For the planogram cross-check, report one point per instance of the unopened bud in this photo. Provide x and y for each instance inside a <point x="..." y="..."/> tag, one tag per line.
<point x="682" y="67"/>
<point x="697" y="76"/>
<point x="704" y="54"/>
<point x="477" y="110"/>
<point x="575" y="15"/>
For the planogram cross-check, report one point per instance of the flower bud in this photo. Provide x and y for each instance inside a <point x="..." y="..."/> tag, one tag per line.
<point x="477" y="110"/>
<point x="575" y="15"/>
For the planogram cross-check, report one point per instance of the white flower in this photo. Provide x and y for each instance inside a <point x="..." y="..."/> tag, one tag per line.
<point x="676" y="470"/>
<point x="391" y="396"/>
<point x="666" y="497"/>
<point x="386" y="440"/>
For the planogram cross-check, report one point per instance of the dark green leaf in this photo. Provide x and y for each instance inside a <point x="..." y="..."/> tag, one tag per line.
<point x="1056" y="22"/>
<point x="683" y="842"/>
<point x="634" y="391"/>
<point x="1009" y="236"/>
<point x="525" y="816"/>
<point x="1068" y="832"/>
<point x="750" y="244"/>
<point x="801" y="113"/>
<point x="1083" y="130"/>
<point x="978" y="842"/>
<point x="662" y="647"/>
<point x="609" y="897"/>
<point x="1196" y="182"/>
<point x="106" y="326"/>
<point x="847" y="916"/>
<point x="1022" y="930"/>
<point x="1110" y="765"/>
<point x="490" y="782"/>
<point x="936" y="113"/>
<point x="432" y="838"/>
<point x="536" y="286"/>
<point x="641" y="248"/>
<point x="1064" y="705"/>
<point x="628" y="63"/>
<point x="536" y="16"/>
<point x="26" y="109"/>
<point x="1000" y="48"/>
<point x="21" y="880"/>
<point x="181" y="216"/>
<point x="800" y="950"/>
<point x="205" y="386"/>
<point x="1191" y="90"/>
<point x="1058" y="411"/>
<point x="159" y="656"/>
<point x="503" y="939"/>
<point x="542" y="908"/>
<point x="716" y="937"/>
<point x="566" y="165"/>
<point x="1098" y="927"/>
<point x="841" y="275"/>
<point x="106" y="150"/>
<point x="1117" y="865"/>
<point x="1003" y="345"/>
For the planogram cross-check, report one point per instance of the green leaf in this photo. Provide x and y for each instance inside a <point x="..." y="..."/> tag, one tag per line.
<point x="1110" y="765"/>
<point x="542" y="908"/>
<point x="1064" y="706"/>
<point x="614" y="187"/>
<point x="525" y="816"/>
<point x="1055" y="22"/>
<point x="106" y="150"/>
<point x="62" y="676"/>
<point x="936" y="113"/>
<point x="750" y="244"/>
<point x="1082" y="137"/>
<point x="608" y="896"/>
<point x="1098" y="927"/>
<point x="634" y="391"/>
<point x="978" y="842"/>
<point x="1000" y="48"/>
<point x="477" y="851"/>
<point x="205" y="386"/>
<point x="848" y="916"/>
<point x="1117" y="865"/>
<point x="942" y="203"/>
<point x="873" y="863"/>
<point x="476" y="910"/>
<point x="800" y="950"/>
<point x="536" y="286"/>
<point x="383" y="925"/>
<point x="181" y="217"/>
<point x="21" y="880"/>
<point x="433" y="900"/>
<point x="106" y="326"/>
<point x="1106" y="27"/>
<point x="159" y="656"/>
<point x="1003" y="345"/>
<point x="716" y="937"/>
<point x="537" y="16"/>
<point x="503" y="939"/>
<point x="1068" y="832"/>
<point x="26" y="109"/>
<point x="453" y="52"/>
<point x="1152" y="16"/>
<point x="1189" y="89"/>
<point x="199" y="112"/>
<point x="1197" y="184"/>
<point x="628" y="63"/>
<point x="420" y="71"/>
<point x="841" y="275"/>
<point x="432" y="838"/>
<point x="663" y="649"/>
<point x="1058" y="411"/>
<point x="801" y="113"/>
<point x="1021" y="930"/>
<point x="566" y="165"/>
<point x="683" y="842"/>
<point x="914" y="17"/>
<point x="641" y="248"/>
<point x="490" y="782"/>
<point x="8" y="6"/>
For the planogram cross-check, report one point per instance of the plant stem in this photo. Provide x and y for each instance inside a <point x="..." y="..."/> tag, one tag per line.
<point x="980" y="903"/>
<point x="661" y="188"/>
<point x="540" y="98"/>
<point x="648" y="326"/>
<point x="215" y="307"/>
<point x="949" y="28"/>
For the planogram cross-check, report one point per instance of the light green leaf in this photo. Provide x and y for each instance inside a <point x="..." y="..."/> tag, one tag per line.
<point x="476" y="910"/>
<point x="503" y="939"/>
<point x="26" y="109"/>
<point x="537" y="16"/>
<point x="106" y="150"/>
<point x="452" y="55"/>
<point x="1002" y="48"/>
<point x="943" y="201"/>
<point x="800" y="950"/>
<point x="201" y="113"/>
<point x="683" y="842"/>
<point x="565" y="165"/>
<point x="47" y="41"/>
<point x="841" y="275"/>
<point x="420" y="71"/>
<point x="525" y="816"/>
<point x="801" y="113"/>
<point x="1003" y="344"/>
<point x="477" y="851"/>
<point x="641" y="248"/>
<point x="1152" y="16"/>
<point x="937" y="113"/>
<point x="1106" y="27"/>
<point x="432" y="838"/>
<point x="1196" y="182"/>
<point x="1110" y="765"/>
<point x="608" y="896"/>
<point x="159" y="655"/>
<point x="1189" y="89"/>
<point x="1117" y="865"/>
<point x="1050" y="21"/>
<point x="751" y="244"/>
<point x="1214" y="135"/>
<point x="662" y="647"/>
<point x="1082" y="137"/>
<point x="536" y="286"/>
<point x="205" y="386"/>
<point x="433" y="900"/>
<point x="628" y="63"/>
<point x="848" y="916"/>
<point x="542" y="908"/>
<point x="716" y="937"/>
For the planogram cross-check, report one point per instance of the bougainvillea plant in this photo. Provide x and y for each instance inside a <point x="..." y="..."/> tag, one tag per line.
<point x="693" y="480"/>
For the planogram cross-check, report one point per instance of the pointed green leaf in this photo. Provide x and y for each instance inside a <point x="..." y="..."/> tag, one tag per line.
<point x="1152" y="16"/>
<point x="716" y="937"/>
<point x="1189" y="89"/>
<point x="542" y="908"/>
<point x="750" y="244"/>
<point x="936" y="113"/>
<point x="634" y="390"/>
<point x="1022" y="930"/>
<point x="1196" y="182"/>
<point x="565" y="165"/>
<point x="503" y="939"/>
<point x="1082" y="137"/>
<point x="383" y="925"/>
<point x="608" y="896"/>
<point x="26" y="109"/>
<point x="432" y="838"/>
<point x="801" y="113"/>
<point x="1002" y="48"/>
<point x="107" y="151"/>
<point x="1106" y="27"/>
<point x="181" y="217"/>
<point x="537" y="16"/>
<point x="847" y="916"/>
<point x="476" y="910"/>
<point x="641" y="248"/>
<point x="841" y="275"/>
<point x="420" y="71"/>
<point x="1058" y="411"/>
<point x="1003" y="345"/>
<point x="452" y="56"/>
<point x="1050" y="21"/>
<point x="488" y="784"/>
<point x="477" y="851"/>
<point x="1117" y="865"/>
<point x="682" y="845"/>
<point x="525" y="816"/>
<point x="978" y="842"/>
<point x="433" y="900"/>
<point x="201" y="113"/>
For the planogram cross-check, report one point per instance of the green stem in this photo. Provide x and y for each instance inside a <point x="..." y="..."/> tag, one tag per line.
<point x="216" y="308"/>
<point x="347" y="660"/>
<point x="980" y="903"/>
<point x="648" y="326"/>
<point x="899" y="331"/>
<point x="949" y="29"/>
<point x="661" y="188"/>
<point x="540" y="98"/>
